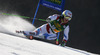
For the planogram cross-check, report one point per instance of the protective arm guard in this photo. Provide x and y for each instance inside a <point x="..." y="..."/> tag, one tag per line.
<point x="52" y="17"/>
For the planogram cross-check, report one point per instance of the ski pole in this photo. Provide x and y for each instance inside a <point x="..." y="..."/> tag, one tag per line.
<point x="22" y="16"/>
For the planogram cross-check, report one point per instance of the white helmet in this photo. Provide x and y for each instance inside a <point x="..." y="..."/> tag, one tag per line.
<point x="67" y="14"/>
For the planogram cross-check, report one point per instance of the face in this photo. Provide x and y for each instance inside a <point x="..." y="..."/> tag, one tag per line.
<point x="66" y="19"/>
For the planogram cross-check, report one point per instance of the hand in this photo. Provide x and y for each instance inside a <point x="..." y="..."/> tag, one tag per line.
<point x="48" y="20"/>
<point x="63" y="43"/>
<point x="57" y="42"/>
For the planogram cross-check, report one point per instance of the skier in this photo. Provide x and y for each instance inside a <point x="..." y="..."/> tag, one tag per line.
<point x="56" y="23"/>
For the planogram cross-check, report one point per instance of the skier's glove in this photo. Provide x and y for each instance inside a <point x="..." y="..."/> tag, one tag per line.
<point x="63" y="43"/>
<point x="48" y="20"/>
<point x="57" y="42"/>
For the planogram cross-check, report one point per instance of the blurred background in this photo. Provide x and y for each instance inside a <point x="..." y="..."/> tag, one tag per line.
<point x="84" y="26"/>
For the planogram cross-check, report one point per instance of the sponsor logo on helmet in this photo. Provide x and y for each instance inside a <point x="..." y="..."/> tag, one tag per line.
<point x="69" y="14"/>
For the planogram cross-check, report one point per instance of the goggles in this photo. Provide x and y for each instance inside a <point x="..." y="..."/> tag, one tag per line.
<point x="67" y="18"/>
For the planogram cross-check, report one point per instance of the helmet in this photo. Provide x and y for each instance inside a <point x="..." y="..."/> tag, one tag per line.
<point x="67" y="14"/>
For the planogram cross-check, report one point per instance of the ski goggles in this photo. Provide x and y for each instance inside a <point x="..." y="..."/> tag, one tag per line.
<point x="67" y="18"/>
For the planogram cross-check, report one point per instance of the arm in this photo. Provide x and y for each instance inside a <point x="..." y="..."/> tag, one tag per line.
<point x="65" y="38"/>
<point x="52" y="17"/>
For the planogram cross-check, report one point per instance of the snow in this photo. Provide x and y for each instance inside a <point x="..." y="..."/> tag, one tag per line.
<point x="12" y="44"/>
<point x="9" y="24"/>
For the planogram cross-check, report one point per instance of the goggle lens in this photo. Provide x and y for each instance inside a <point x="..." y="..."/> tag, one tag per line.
<point x="67" y="18"/>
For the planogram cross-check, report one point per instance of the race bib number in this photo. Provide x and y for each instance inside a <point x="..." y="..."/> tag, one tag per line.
<point x="56" y="26"/>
